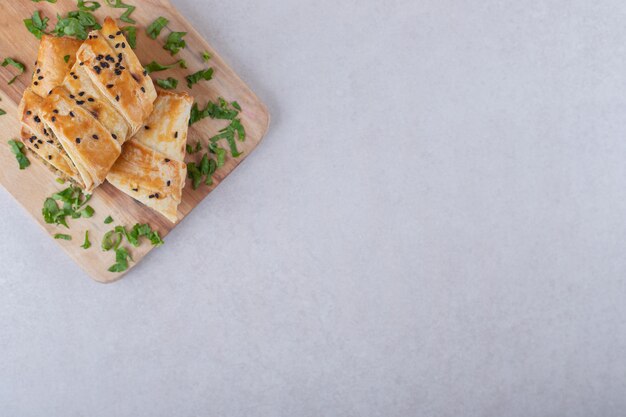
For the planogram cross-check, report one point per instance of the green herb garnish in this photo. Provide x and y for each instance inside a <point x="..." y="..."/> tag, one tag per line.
<point x="206" y="57"/>
<point x="88" y="6"/>
<point x="117" y="4"/>
<point x="36" y="25"/>
<point x="60" y="180"/>
<point x="108" y="220"/>
<point x="219" y="152"/>
<point x="175" y="42"/>
<point x="62" y="236"/>
<point x="168" y="84"/>
<point x="77" y="23"/>
<point x="156" y="67"/>
<point x="121" y="260"/>
<point x="191" y="150"/>
<point x="155" y="28"/>
<point x="17" y="148"/>
<point x="49" y="1"/>
<point x="66" y="58"/>
<point x="131" y="35"/>
<point x="195" y="78"/>
<point x="87" y="243"/>
<point x="74" y="205"/>
<point x="2" y="112"/>
<point x="20" y="67"/>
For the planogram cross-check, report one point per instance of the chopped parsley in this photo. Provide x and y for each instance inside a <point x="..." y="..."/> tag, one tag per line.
<point x="74" y="204"/>
<point x="88" y="6"/>
<point x="117" y="4"/>
<point x="222" y="110"/>
<point x="195" y="78"/>
<point x="219" y="152"/>
<point x="113" y="239"/>
<point x="155" y="28"/>
<point x="20" y="67"/>
<point x="77" y="24"/>
<point x="191" y="150"/>
<point x="49" y="1"/>
<point x="108" y="220"/>
<point x="156" y="67"/>
<point x="168" y="84"/>
<point x="196" y="173"/>
<point x="87" y="243"/>
<point x="2" y="112"/>
<point x="66" y="58"/>
<point x="206" y="57"/>
<point x="131" y="35"/>
<point x="36" y="25"/>
<point x="175" y="42"/>
<point x="17" y="148"/>
<point x="62" y="236"/>
<point x="60" y="181"/>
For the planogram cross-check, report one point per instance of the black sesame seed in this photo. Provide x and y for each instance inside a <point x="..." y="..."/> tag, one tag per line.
<point x="39" y="141"/>
<point x="55" y="111"/>
<point x="77" y="140"/>
<point x="82" y="93"/>
<point x="95" y="137"/>
<point x="176" y="135"/>
<point x="147" y="127"/>
<point x="120" y="56"/>
<point x="28" y="113"/>
<point x="143" y="89"/>
<point x="54" y="119"/>
<point x="167" y="160"/>
<point x="81" y="64"/>
<point x="72" y="73"/>
<point x="40" y="77"/>
<point x="50" y="141"/>
<point x="38" y="70"/>
<point x="97" y="69"/>
<point x="109" y="85"/>
<point x="71" y="114"/>
<point x="72" y="96"/>
<point x="36" y="83"/>
<point x="91" y="99"/>
<point x="145" y="73"/>
<point x="36" y="146"/>
<point x="135" y="189"/>
<point x="114" y="136"/>
<point x="111" y="36"/>
<point x="151" y="196"/>
<point x="75" y="77"/>
<point x="119" y="32"/>
<point x="37" y="119"/>
<point x="123" y="45"/>
<point x="49" y="157"/>
<point x="117" y="45"/>
<point x="80" y="102"/>
<point x="169" y="183"/>
<point x="117" y="98"/>
<point x="118" y="72"/>
<point x="45" y="132"/>
<point x="100" y="57"/>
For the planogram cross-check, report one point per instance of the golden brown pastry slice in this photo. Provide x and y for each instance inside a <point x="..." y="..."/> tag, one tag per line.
<point x="51" y="66"/>
<point x="116" y="72"/>
<point x="152" y="168"/>
<point x="87" y="142"/>
<point x="41" y="140"/>
<point x="86" y="95"/>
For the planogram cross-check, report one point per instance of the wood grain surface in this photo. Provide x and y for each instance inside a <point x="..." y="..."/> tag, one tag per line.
<point x="31" y="186"/>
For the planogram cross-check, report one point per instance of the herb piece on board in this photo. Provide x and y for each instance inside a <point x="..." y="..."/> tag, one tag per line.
<point x="66" y="58"/>
<point x="175" y="42"/>
<point x="121" y="260"/>
<point x="118" y="4"/>
<point x="206" y="57"/>
<point x="2" y="112"/>
<point x="155" y="28"/>
<point x="88" y="6"/>
<point x="77" y="24"/>
<point x="144" y="230"/>
<point x="191" y="150"/>
<point x="219" y="110"/>
<point x="205" y="171"/>
<point x="195" y="78"/>
<point x="87" y="243"/>
<point x="17" y="148"/>
<point x="113" y="239"/>
<point x="49" y="1"/>
<point x="168" y="84"/>
<point x="74" y="205"/>
<point x="20" y="67"/>
<point x="60" y="180"/>
<point x="219" y="152"/>
<point x="108" y="220"/>
<point x="131" y="35"/>
<point x="156" y="67"/>
<point x="36" y="25"/>
<point x="62" y="236"/>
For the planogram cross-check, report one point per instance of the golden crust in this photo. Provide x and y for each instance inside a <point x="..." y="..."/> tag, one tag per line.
<point x="166" y="129"/>
<point x="40" y="139"/>
<point x="129" y="91"/>
<point x="80" y="86"/>
<point x="51" y="68"/>
<point x="150" y="177"/>
<point x="88" y="143"/>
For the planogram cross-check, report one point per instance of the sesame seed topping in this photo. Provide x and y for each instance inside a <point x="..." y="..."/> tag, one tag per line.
<point x="176" y="135"/>
<point x="119" y="32"/>
<point x="72" y="96"/>
<point x="95" y="137"/>
<point x="117" y="45"/>
<point x="55" y="111"/>
<point x="36" y="83"/>
<point x="40" y="77"/>
<point x="167" y="160"/>
<point x="109" y="85"/>
<point x="38" y="70"/>
<point x="143" y="89"/>
<point x="49" y="157"/>
<point x="80" y="102"/>
<point x="71" y="114"/>
<point x="117" y="98"/>
<point x="111" y="36"/>
<point x="28" y="112"/>
<point x="77" y="140"/>
<point x="54" y="119"/>
<point x="37" y="119"/>
<point x="82" y="93"/>
<point x="169" y="183"/>
<point x="91" y="99"/>
<point x="114" y="136"/>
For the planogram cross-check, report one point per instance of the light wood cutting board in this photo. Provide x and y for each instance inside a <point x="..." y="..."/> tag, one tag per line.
<point x="31" y="186"/>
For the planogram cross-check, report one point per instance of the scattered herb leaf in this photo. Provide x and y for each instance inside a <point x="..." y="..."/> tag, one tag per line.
<point x="20" y="67"/>
<point x="191" y="150"/>
<point x="175" y="42"/>
<point x="121" y="260"/>
<point x="117" y="4"/>
<point x="17" y="148"/>
<point x="131" y="35"/>
<point x="206" y="57"/>
<point x="36" y="25"/>
<point x="168" y="84"/>
<point x="88" y="6"/>
<point x="156" y="67"/>
<point x="195" y="78"/>
<point x="108" y="220"/>
<point x="2" y="112"/>
<point x="60" y="180"/>
<point x="77" y="23"/>
<point x="66" y="58"/>
<point x="87" y="243"/>
<point x="62" y="236"/>
<point x="155" y="28"/>
<point x="74" y="204"/>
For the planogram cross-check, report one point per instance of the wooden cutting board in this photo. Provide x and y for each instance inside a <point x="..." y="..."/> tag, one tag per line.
<point x="33" y="185"/>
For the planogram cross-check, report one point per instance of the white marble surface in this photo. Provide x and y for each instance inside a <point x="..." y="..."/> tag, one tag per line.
<point x="434" y="226"/>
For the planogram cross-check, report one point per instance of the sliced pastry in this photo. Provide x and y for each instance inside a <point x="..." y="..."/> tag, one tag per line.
<point x="50" y="70"/>
<point x="152" y="169"/>
<point x="104" y="99"/>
